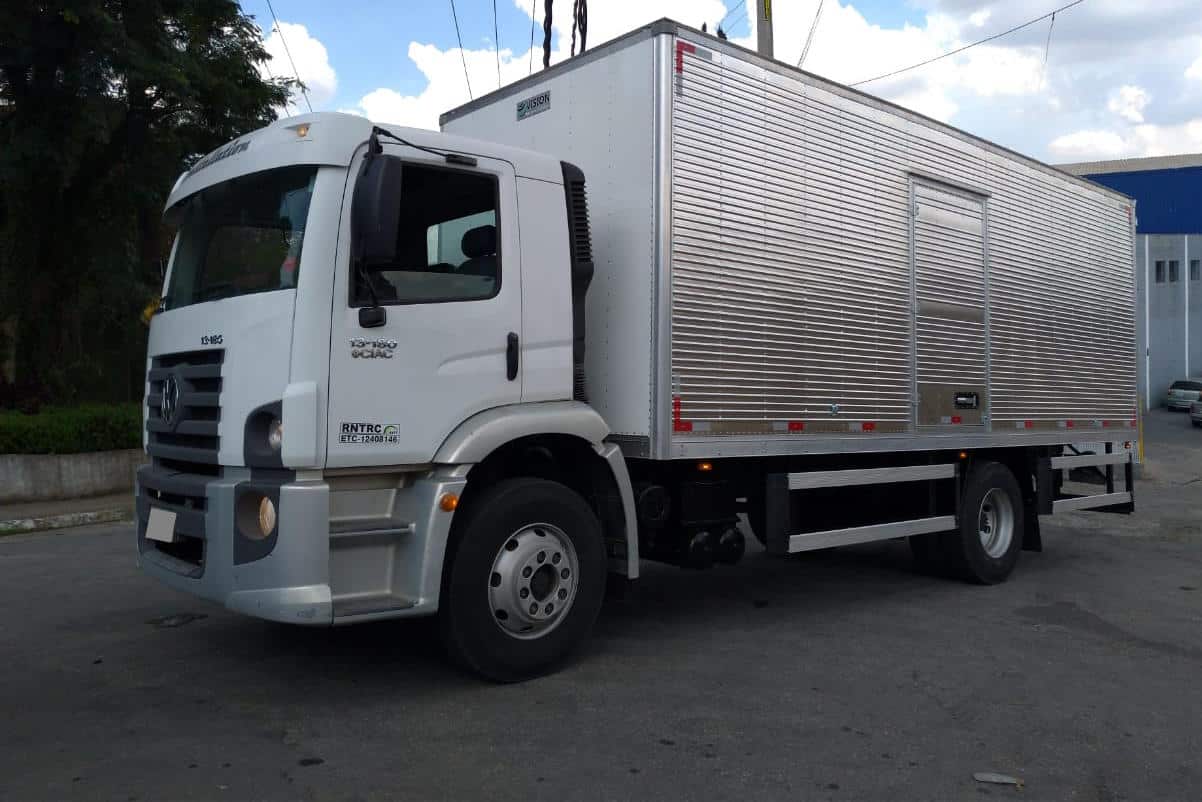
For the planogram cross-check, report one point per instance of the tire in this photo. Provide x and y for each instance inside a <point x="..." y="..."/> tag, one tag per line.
<point x="984" y="548"/>
<point x="519" y="524"/>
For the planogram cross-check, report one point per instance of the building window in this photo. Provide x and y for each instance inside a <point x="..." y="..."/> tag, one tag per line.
<point x="1159" y="271"/>
<point x="1172" y="270"/>
<point x="1195" y="267"/>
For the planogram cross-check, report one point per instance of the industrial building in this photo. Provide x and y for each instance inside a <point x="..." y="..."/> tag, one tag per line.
<point x="1168" y="194"/>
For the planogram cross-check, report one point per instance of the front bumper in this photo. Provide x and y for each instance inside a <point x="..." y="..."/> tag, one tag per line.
<point x="289" y="583"/>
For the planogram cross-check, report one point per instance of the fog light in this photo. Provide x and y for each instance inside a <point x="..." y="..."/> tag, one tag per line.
<point x="275" y="434"/>
<point x="266" y="516"/>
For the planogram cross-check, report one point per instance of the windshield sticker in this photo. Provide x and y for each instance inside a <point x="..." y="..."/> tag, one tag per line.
<point x="534" y="105"/>
<point x="370" y="434"/>
<point x="231" y="149"/>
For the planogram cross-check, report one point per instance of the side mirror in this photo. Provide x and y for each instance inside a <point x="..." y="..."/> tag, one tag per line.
<point x="376" y="211"/>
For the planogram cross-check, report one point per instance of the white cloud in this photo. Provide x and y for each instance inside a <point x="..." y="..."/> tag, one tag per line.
<point x="312" y="64"/>
<point x="1129" y="102"/>
<point x="1083" y="146"/>
<point x="1140" y="140"/>
<point x="1194" y="71"/>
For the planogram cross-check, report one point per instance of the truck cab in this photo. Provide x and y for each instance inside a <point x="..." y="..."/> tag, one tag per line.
<point x="353" y="319"/>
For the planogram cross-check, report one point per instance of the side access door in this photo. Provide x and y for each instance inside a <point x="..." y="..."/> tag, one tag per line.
<point x="951" y="307"/>
<point x="452" y="297"/>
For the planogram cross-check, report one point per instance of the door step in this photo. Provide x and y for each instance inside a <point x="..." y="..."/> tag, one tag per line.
<point x="352" y="606"/>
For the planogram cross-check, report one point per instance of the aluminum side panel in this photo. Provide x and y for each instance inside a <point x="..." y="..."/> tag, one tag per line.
<point x="791" y="304"/>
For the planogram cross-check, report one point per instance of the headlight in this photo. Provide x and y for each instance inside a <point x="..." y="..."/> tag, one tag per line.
<point x="275" y="434"/>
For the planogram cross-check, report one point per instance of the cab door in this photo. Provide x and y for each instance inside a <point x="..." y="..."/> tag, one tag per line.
<point x="452" y="298"/>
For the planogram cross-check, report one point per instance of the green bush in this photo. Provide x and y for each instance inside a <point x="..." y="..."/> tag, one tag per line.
<point x="71" y="430"/>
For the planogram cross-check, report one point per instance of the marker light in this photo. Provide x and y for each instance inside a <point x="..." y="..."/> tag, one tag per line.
<point x="302" y="129"/>
<point x="963" y="455"/>
<point x="266" y="516"/>
<point x="448" y="502"/>
<point x="275" y="434"/>
<point x="705" y="467"/>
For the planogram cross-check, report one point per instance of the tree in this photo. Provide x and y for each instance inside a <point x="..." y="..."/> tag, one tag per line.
<point x="102" y="104"/>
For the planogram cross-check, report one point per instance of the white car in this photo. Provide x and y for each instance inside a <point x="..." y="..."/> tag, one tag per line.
<point x="1182" y="393"/>
<point x="1195" y="413"/>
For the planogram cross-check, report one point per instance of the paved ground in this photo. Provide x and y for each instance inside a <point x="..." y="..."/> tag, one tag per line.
<point x="842" y="675"/>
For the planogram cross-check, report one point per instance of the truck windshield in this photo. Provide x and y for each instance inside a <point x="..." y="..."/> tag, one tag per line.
<point x="240" y="236"/>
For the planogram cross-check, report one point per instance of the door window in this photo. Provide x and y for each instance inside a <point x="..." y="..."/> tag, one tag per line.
<point x="447" y="243"/>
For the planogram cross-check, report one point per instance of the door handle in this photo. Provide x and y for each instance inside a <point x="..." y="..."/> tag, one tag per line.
<point x="511" y="357"/>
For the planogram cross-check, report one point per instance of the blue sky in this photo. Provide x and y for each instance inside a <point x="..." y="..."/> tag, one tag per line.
<point x="1116" y="78"/>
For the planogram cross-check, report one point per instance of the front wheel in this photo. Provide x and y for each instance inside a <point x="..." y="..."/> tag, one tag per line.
<point x="525" y="582"/>
<point x="985" y="546"/>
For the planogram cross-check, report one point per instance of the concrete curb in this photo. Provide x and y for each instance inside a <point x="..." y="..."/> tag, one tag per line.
<point x="18" y="526"/>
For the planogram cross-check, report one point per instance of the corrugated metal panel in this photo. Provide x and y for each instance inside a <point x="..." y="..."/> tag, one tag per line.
<point x="782" y="308"/>
<point x="791" y="293"/>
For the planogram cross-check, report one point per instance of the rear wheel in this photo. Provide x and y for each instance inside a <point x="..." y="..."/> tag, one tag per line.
<point x="525" y="582"/>
<point x="985" y="546"/>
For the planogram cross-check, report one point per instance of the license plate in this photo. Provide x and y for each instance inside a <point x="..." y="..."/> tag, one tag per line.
<point x="161" y="526"/>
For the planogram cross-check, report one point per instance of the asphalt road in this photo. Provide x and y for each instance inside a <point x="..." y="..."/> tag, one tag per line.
<point x="841" y="675"/>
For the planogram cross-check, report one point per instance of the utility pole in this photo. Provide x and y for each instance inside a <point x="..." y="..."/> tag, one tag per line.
<point x="763" y="38"/>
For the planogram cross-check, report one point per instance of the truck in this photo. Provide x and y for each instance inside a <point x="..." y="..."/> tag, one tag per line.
<point x="633" y="307"/>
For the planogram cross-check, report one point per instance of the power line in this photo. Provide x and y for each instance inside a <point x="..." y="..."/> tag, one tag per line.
<point x="810" y="38"/>
<point x="533" y="11"/>
<point x="496" y="38"/>
<point x="462" y="57"/>
<point x="1047" y="46"/>
<point x="738" y="5"/>
<point x="288" y="53"/>
<point x="974" y="44"/>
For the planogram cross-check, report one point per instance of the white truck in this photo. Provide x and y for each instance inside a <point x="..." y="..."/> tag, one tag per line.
<point x="401" y="373"/>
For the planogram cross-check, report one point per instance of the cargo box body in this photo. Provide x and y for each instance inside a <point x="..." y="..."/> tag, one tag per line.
<point x="785" y="265"/>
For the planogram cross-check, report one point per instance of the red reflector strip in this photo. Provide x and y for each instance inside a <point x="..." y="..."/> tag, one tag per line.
<point x="1028" y="424"/>
<point x="1068" y="424"/>
<point x="681" y="49"/>
<point x="868" y="426"/>
<point x="679" y="425"/>
<point x="957" y="419"/>
<point x="797" y="426"/>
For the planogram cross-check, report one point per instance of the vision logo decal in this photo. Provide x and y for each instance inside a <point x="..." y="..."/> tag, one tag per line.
<point x="369" y="434"/>
<point x="534" y="105"/>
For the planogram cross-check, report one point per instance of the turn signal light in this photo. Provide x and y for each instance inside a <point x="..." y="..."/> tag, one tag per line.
<point x="705" y="467"/>
<point x="448" y="502"/>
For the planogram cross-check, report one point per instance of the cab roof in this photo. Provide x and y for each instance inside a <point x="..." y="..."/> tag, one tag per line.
<point x="333" y="138"/>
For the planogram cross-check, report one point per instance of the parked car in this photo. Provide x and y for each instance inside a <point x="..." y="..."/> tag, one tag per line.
<point x="1195" y="413"/>
<point x="1182" y="393"/>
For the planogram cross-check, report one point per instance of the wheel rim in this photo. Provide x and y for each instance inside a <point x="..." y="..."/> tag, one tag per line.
<point x="995" y="523"/>
<point x="533" y="581"/>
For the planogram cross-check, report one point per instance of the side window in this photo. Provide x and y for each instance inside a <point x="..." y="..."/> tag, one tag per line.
<point x="1159" y="271"/>
<point x="1172" y="270"/>
<point x="1194" y="270"/>
<point x="447" y="244"/>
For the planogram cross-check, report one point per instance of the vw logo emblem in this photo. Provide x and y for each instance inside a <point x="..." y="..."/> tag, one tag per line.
<point x="169" y="404"/>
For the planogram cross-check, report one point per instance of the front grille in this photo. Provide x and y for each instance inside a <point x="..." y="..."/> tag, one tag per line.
<point x="184" y="495"/>
<point x="190" y="435"/>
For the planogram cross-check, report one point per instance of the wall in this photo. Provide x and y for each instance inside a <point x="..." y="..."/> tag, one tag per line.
<point x="1168" y="325"/>
<point x="46" y="477"/>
